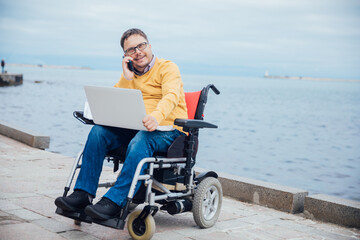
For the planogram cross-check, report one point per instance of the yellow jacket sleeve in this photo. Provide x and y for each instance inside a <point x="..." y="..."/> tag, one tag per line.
<point x="171" y="86"/>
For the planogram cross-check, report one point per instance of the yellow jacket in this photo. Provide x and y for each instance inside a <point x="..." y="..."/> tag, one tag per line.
<point x="162" y="90"/>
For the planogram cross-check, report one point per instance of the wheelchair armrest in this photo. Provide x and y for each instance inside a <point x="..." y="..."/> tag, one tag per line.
<point x="193" y="123"/>
<point x="79" y="115"/>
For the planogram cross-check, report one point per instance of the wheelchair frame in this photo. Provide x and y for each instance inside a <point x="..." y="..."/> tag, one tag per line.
<point x="182" y="167"/>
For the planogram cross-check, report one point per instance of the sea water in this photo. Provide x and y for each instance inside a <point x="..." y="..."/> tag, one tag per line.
<point x="303" y="134"/>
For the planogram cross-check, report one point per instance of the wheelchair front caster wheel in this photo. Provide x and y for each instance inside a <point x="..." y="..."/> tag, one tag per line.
<point x="207" y="202"/>
<point x="140" y="229"/>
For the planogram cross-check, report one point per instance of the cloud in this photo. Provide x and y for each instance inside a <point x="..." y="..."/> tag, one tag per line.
<point x="196" y="32"/>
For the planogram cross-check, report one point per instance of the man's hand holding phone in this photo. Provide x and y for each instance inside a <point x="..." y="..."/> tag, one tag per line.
<point x="128" y="68"/>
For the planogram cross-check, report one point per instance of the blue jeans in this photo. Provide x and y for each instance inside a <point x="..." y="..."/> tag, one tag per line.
<point x="140" y="144"/>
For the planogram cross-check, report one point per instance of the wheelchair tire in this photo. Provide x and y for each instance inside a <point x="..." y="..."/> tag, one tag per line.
<point x="207" y="202"/>
<point x="143" y="230"/>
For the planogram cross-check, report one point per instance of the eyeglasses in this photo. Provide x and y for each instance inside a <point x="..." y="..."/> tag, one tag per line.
<point x="140" y="47"/>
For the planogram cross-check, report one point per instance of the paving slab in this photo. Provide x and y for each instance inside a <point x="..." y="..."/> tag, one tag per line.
<point x="26" y="231"/>
<point x="31" y="179"/>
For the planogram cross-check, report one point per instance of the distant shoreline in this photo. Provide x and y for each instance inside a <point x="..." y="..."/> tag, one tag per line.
<point x="312" y="78"/>
<point x="46" y="66"/>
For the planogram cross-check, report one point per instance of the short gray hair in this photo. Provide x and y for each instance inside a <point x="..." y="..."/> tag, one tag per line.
<point x="130" y="32"/>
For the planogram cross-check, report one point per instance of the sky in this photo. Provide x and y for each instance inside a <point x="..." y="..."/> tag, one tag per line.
<point x="312" y="38"/>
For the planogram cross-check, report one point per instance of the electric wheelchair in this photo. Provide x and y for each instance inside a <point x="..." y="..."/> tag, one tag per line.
<point x="169" y="182"/>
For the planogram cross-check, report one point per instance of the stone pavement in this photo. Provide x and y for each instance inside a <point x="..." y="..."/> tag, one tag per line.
<point x="31" y="179"/>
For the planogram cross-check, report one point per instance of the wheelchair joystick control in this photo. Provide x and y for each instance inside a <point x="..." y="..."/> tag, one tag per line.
<point x="180" y="206"/>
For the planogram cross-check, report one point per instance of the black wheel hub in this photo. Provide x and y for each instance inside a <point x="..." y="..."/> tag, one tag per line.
<point x="139" y="227"/>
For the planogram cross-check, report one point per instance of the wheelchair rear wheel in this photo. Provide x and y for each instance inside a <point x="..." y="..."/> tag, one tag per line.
<point x="141" y="229"/>
<point x="207" y="202"/>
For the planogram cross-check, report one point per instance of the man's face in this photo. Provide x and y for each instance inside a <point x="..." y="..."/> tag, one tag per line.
<point x="141" y="59"/>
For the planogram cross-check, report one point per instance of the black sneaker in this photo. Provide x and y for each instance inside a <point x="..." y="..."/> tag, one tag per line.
<point x="103" y="210"/>
<point x="75" y="202"/>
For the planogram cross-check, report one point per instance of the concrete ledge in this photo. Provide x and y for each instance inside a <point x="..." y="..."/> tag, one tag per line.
<point x="332" y="209"/>
<point x="25" y="136"/>
<point x="7" y="79"/>
<point x="283" y="198"/>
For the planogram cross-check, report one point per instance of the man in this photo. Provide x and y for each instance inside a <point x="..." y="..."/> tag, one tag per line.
<point x="2" y="65"/>
<point x="160" y="83"/>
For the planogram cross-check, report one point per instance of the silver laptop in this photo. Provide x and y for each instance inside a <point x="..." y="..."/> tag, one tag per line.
<point x="116" y="107"/>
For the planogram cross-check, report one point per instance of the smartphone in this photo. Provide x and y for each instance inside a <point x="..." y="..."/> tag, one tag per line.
<point x="130" y="66"/>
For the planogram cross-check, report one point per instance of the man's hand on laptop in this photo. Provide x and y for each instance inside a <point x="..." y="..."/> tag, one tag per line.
<point x="150" y="123"/>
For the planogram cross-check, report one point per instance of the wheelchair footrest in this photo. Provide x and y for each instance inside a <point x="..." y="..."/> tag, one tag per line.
<point x="80" y="216"/>
<point x="116" y="223"/>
